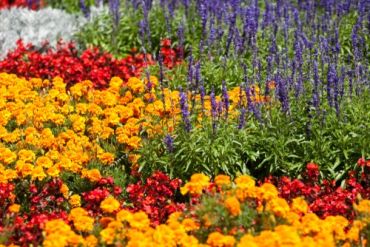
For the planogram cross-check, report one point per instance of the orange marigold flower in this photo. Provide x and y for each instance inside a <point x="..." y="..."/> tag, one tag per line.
<point x="14" y="208"/>
<point x="109" y="204"/>
<point x="233" y="206"/>
<point x="222" y="180"/>
<point x="75" y="201"/>
<point x="216" y="239"/>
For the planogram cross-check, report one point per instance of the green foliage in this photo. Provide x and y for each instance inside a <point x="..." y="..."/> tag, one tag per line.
<point x="120" y="40"/>
<point x="280" y="145"/>
<point x="200" y="151"/>
<point x="71" y="6"/>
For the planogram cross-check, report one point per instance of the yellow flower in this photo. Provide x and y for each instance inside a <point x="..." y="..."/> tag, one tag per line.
<point x="233" y="206"/>
<point x="24" y="168"/>
<point x="106" y="158"/>
<point x="75" y="200"/>
<point x="247" y="241"/>
<point x="14" y="208"/>
<point x="139" y="221"/>
<point x="64" y="190"/>
<point x="56" y="226"/>
<point x="134" y="142"/>
<point x="124" y="215"/>
<point x="278" y="206"/>
<point x="164" y="236"/>
<point x="245" y="182"/>
<point x="108" y="235"/>
<point x="109" y="204"/>
<point x="299" y="205"/>
<point x="190" y="224"/>
<point x="288" y="235"/>
<point x="115" y="83"/>
<point x="354" y="232"/>
<point x="84" y="223"/>
<point x="268" y="191"/>
<point x="77" y="213"/>
<point x="7" y="156"/>
<point x="53" y="171"/>
<point x="222" y="180"/>
<point x="136" y="85"/>
<point x="91" y="241"/>
<point x="363" y="206"/>
<point x="93" y="175"/>
<point x="44" y="161"/>
<point x="26" y="155"/>
<point x="197" y="183"/>
<point x="216" y="239"/>
<point x="38" y="173"/>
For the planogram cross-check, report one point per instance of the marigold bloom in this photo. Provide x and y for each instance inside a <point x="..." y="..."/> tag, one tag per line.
<point x="26" y="155"/>
<point x="84" y="223"/>
<point x="216" y="239"/>
<point x="38" y="173"/>
<point x="363" y="206"/>
<point x="139" y="221"/>
<point x="278" y="206"/>
<point x="75" y="201"/>
<point x="77" y="213"/>
<point x="107" y="235"/>
<point x="109" y="204"/>
<point x="222" y="180"/>
<point x="233" y="206"/>
<point x="91" y="241"/>
<point x="190" y="225"/>
<point x="93" y="175"/>
<point x="44" y="161"/>
<point x="14" y="208"/>
<point x="106" y="158"/>
<point x="245" y="182"/>
<point x="197" y="183"/>
<point x="299" y="205"/>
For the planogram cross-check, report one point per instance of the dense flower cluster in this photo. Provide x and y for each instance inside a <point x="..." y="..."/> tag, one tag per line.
<point x="235" y="213"/>
<point x="155" y="197"/>
<point x="258" y="216"/>
<point x="46" y="129"/>
<point x="66" y="63"/>
<point x="325" y="198"/>
<point x="171" y="57"/>
<point x="21" y="3"/>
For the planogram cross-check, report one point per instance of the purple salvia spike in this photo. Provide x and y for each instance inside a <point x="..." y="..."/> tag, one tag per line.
<point x="225" y="99"/>
<point x="181" y="36"/>
<point x="114" y="8"/>
<point x="316" y="97"/>
<point x="190" y="72"/>
<point x="85" y="10"/>
<point x="197" y="75"/>
<point x="251" y="105"/>
<point x="185" y="110"/>
<point x="213" y="110"/>
<point x="202" y="95"/>
<point x="332" y="81"/>
<point x="168" y="141"/>
<point x="242" y="118"/>
<point x="282" y="94"/>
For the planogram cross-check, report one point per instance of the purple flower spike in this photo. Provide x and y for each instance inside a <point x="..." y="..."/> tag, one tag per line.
<point x="168" y="141"/>
<point x="114" y="8"/>
<point x="185" y="110"/>
<point x="225" y="99"/>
